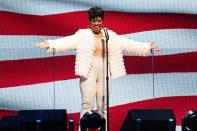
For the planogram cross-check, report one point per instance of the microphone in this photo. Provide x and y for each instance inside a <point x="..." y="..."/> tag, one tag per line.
<point x="106" y="34"/>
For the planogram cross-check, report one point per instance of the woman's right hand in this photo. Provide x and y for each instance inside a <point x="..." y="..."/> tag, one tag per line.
<point x="43" y="44"/>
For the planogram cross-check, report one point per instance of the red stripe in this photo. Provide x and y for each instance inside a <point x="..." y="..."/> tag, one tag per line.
<point x="68" y="23"/>
<point x="32" y="71"/>
<point x="4" y="113"/>
<point x="184" y="62"/>
<point x="119" y="112"/>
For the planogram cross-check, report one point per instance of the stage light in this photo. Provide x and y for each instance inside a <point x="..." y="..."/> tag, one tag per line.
<point x="92" y="120"/>
<point x="189" y="122"/>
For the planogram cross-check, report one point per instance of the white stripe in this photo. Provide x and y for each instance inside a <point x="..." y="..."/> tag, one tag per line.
<point x="171" y="41"/>
<point x="45" y="7"/>
<point x="178" y="128"/>
<point x="24" y="47"/>
<point x="130" y="88"/>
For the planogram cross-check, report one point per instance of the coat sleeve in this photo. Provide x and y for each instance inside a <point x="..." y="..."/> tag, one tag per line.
<point x="64" y="44"/>
<point x="133" y="47"/>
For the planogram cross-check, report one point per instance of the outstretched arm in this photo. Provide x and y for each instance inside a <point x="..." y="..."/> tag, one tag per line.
<point x="61" y="44"/>
<point x="136" y="47"/>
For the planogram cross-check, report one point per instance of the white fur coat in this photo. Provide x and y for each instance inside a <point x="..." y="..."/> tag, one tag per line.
<point x="83" y="41"/>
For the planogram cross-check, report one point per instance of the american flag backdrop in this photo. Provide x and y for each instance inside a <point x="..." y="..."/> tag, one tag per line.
<point x="30" y="78"/>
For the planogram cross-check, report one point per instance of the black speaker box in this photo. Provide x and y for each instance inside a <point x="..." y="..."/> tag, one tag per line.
<point x="9" y="123"/>
<point x="43" y="120"/>
<point x="149" y="120"/>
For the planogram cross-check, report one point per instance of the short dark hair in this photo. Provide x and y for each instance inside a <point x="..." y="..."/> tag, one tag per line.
<point x="95" y="12"/>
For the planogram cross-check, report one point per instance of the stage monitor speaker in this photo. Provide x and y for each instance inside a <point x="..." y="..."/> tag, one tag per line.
<point x="149" y="120"/>
<point x="9" y="123"/>
<point x="43" y="120"/>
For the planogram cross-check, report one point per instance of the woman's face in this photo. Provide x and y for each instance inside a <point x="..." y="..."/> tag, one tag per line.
<point x="96" y="25"/>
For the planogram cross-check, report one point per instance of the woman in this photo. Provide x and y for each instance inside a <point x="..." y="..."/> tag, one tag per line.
<point x="90" y="58"/>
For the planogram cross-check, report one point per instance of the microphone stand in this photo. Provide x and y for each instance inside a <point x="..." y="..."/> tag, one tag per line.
<point x="53" y="72"/>
<point x="107" y="76"/>
<point x="54" y="92"/>
<point x="153" y="71"/>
